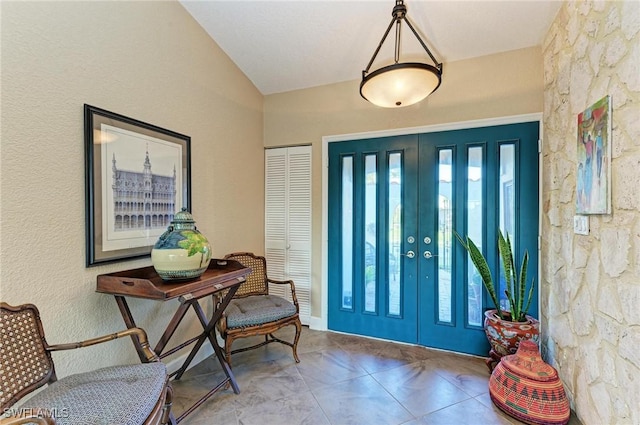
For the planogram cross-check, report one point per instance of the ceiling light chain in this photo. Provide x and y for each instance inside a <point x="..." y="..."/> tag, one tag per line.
<point x="400" y="84"/>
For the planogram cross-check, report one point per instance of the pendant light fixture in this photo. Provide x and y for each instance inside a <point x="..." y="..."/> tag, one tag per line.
<point x="402" y="83"/>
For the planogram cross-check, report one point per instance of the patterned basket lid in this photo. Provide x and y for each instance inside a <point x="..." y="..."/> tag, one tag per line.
<point x="527" y="362"/>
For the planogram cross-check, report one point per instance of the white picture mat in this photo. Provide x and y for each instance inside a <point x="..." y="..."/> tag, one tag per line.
<point x="130" y="149"/>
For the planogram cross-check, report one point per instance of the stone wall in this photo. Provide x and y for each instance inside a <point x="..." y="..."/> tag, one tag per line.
<point x="590" y="285"/>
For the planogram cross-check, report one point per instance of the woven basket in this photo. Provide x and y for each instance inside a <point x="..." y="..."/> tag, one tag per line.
<point x="525" y="387"/>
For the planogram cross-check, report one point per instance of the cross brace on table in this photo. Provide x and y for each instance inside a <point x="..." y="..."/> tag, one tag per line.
<point x="208" y="325"/>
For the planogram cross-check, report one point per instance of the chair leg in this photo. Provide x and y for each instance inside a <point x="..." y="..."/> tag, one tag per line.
<point x="297" y="338"/>
<point x="167" y="417"/>
<point x="227" y="349"/>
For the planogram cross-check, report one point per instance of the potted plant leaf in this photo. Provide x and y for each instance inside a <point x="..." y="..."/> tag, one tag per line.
<point x="505" y="328"/>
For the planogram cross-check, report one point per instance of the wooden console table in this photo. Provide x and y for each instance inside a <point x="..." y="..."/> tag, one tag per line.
<point x="222" y="275"/>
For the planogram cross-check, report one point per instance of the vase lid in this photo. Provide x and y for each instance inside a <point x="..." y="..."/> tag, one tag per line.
<point x="527" y="362"/>
<point x="183" y="216"/>
<point x="183" y="220"/>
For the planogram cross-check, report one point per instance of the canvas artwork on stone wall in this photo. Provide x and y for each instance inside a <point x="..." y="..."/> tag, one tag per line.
<point x="594" y="159"/>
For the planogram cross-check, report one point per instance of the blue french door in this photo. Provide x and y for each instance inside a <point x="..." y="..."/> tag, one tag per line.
<point x="396" y="270"/>
<point x="473" y="182"/>
<point x="372" y="207"/>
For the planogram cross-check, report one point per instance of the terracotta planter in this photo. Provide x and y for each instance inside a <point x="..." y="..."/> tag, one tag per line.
<point x="504" y="336"/>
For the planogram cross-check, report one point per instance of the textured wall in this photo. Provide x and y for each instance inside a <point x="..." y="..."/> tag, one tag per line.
<point x="487" y="87"/>
<point x="147" y="60"/>
<point x="590" y="284"/>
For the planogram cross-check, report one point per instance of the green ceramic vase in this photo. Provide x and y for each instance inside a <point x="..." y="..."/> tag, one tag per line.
<point x="182" y="252"/>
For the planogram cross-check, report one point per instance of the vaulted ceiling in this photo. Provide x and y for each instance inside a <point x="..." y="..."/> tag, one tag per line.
<point x="288" y="45"/>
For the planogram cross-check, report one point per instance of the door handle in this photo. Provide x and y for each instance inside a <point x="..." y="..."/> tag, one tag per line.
<point x="428" y="254"/>
<point x="409" y="254"/>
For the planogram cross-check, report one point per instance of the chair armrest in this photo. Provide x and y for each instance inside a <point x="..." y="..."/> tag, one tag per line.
<point x="293" y="289"/>
<point x="27" y="416"/>
<point x="133" y="332"/>
<point x="281" y="282"/>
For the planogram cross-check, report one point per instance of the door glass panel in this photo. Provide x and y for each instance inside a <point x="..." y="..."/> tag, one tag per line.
<point x="475" y="197"/>
<point x="394" y="227"/>
<point x="347" y="232"/>
<point x="507" y="206"/>
<point x="445" y="207"/>
<point x="370" y="232"/>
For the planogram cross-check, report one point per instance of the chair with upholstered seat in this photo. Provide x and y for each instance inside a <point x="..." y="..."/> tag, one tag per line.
<point x="131" y="394"/>
<point x="253" y="311"/>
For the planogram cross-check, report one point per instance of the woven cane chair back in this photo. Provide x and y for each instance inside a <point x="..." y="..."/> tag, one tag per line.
<point x="256" y="282"/>
<point x="255" y="312"/>
<point x="25" y="364"/>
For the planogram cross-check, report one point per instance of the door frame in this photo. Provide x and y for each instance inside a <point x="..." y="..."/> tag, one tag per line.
<point x="321" y="322"/>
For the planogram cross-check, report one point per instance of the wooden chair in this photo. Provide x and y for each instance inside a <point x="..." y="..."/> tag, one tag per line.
<point x="132" y="394"/>
<point x="253" y="311"/>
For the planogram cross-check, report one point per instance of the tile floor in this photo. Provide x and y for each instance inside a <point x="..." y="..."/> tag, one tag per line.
<point x="343" y="379"/>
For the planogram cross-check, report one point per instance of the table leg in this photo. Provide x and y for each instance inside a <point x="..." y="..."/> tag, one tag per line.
<point x="172" y="326"/>
<point x="200" y="340"/>
<point x="209" y="333"/>
<point x="128" y="320"/>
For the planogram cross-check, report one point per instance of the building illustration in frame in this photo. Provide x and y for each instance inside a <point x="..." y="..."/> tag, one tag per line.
<point x="141" y="199"/>
<point x="141" y="187"/>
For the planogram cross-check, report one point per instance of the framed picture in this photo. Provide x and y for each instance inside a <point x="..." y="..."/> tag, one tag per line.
<point x="593" y="188"/>
<point x="137" y="176"/>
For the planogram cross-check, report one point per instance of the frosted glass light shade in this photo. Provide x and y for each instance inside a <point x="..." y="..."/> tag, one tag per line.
<point x="400" y="84"/>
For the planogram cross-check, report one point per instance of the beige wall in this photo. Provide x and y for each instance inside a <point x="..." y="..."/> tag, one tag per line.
<point x="151" y="61"/>
<point x="590" y="286"/>
<point x="488" y="87"/>
<point x="147" y="60"/>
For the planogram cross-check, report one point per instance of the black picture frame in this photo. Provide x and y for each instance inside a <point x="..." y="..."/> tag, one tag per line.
<point x="132" y="170"/>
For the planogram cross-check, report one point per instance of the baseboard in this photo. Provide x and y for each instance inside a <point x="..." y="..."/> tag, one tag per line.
<point x="317" y="324"/>
<point x="205" y="351"/>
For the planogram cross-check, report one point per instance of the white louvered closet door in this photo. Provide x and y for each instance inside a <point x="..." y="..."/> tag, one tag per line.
<point x="288" y="221"/>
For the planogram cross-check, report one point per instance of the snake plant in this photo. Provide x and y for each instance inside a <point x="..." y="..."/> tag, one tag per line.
<point x="516" y="283"/>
